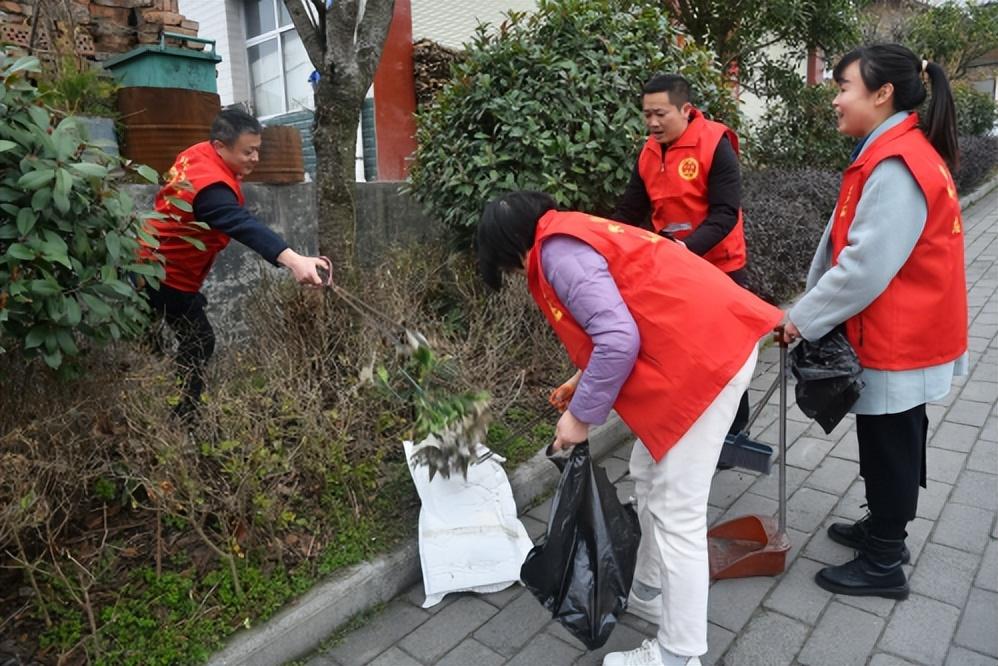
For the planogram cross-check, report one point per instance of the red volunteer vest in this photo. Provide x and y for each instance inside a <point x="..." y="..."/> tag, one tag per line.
<point x="920" y="320"/>
<point x="186" y="266"/>
<point x="697" y="326"/>
<point x="677" y="187"/>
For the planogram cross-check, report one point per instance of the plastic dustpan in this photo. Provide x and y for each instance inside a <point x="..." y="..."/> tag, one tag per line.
<point x="755" y="545"/>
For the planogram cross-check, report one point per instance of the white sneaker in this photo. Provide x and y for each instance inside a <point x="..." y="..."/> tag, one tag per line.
<point x="649" y="611"/>
<point x="648" y="654"/>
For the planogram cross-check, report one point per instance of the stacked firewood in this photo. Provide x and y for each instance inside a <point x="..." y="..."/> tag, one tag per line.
<point x="431" y="68"/>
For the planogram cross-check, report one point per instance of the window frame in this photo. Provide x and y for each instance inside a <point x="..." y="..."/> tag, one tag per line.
<point x="276" y="34"/>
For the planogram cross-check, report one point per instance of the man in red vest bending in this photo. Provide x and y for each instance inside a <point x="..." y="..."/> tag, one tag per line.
<point x="687" y="178"/>
<point x="202" y="204"/>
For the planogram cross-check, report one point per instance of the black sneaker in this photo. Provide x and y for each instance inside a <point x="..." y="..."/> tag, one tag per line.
<point x="854" y="535"/>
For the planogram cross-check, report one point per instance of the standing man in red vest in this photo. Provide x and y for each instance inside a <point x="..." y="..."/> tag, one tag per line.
<point x="670" y="343"/>
<point x="202" y="204"/>
<point x="687" y="179"/>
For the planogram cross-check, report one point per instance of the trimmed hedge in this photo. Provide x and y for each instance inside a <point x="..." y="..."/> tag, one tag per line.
<point x="978" y="159"/>
<point x="785" y="212"/>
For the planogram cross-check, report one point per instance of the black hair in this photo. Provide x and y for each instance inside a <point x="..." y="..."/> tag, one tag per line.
<point x="506" y="232"/>
<point x="880" y="64"/>
<point x="231" y="124"/>
<point x="674" y="84"/>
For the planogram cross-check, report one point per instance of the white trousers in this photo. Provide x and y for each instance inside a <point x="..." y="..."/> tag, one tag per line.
<point x="672" y="508"/>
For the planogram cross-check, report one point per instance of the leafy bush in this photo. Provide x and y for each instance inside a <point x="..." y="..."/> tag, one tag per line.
<point x="551" y="102"/>
<point x="785" y="213"/>
<point x="799" y="131"/>
<point x="68" y="235"/>
<point x="148" y="544"/>
<point x="75" y="87"/>
<point x="978" y="159"/>
<point x="976" y="112"/>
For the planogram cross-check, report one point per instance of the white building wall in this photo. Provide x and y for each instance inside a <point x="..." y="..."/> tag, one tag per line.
<point x="222" y="20"/>
<point x="453" y="22"/>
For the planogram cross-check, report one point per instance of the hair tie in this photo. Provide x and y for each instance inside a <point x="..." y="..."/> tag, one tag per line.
<point x="925" y="63"/>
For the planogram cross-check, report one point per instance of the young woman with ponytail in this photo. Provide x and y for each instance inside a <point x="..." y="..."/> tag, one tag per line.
<point x="890" y="270"/>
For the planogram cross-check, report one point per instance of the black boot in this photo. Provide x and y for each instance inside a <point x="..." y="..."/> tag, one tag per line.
<point x="854" y="535"/>
<point x="876" y="572"/>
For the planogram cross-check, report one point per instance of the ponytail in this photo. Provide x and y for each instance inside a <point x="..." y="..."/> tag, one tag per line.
<point x="939" y="124"/>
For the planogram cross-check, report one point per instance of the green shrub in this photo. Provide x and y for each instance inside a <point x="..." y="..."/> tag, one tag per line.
<point x="799" y="131"/>
<point x="978" y="159"/>
<point x="551" y="102"/>
<point x="68" y="235"/>
<point x="976" y="112"/>
<point x="77" y="87"/>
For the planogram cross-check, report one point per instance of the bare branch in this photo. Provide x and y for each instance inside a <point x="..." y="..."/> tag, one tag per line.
<point x="310" y="32"/>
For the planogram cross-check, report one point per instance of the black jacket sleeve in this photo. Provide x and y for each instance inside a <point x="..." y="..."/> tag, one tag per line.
<point x="724" y="198"/>
<point x="217" y="206"/>
<point x="634" y="206"/>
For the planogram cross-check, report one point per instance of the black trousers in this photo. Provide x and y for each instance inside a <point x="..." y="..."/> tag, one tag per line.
<point x="185" y="314"/>
<point x="892" y="464"/>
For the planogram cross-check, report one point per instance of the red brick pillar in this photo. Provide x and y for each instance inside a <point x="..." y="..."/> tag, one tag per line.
<point x="395" y="97"/>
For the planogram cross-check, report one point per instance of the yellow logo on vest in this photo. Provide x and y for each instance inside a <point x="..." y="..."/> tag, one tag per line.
<point x="957" y="227"/>
<point x="689" y="168"/>
<point x="615" y="228"/>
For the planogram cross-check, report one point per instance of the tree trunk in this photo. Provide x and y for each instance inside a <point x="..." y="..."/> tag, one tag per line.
<point x="335" y="136"/>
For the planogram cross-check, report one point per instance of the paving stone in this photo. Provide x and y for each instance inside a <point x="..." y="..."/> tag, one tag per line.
<point x="719" y="640"/>
<point x="987" y="577"/>
<point x="644" y="628"/>
<point x="548" y="650"/>
<point x="955" y="436"/>
<point x="942" y="465"/>
<point x="542" y="511"/>
<point x="852" y="505"/>
<point x="990" y="430"/>
<point x="416" y="595"/>
<point x="984" y="457"/>
<point x="964" y="527"/>
<point x="615" y="468"/>
<point x="918" y="535"/>
<point x="844" y="636"/>
<point x="822" y="549"/>
<point x="944" y="573"/>
<point x="469" y="652"/>
<point x="797" y="595"/>
<point x="834" y="475"/>
<point x="771" y="435"/>
<point x="320" y="660"/>
<point x="768" y="485"/>
<point x="959" y="656"/>
<point x="979" y="391"/>
<point x="727" y="486"/>
<point x="977" y="629"/>
<point x="394" y="657"/>
<point x="441" y="633"/>
<point x="379" y="633"/>
<point x="976" y="489"/>
<point x="535" y="528"/>
<point x="847" y="447"/>
<point x="846" y="425"/>
<point x="503" y="598"/>
<point x="733" y="600"/>
<point x="513" y="626"/>
<point x="751" y="503"/>
<point x="921" y="630"/>
<point x="935" y="412"/>
<point x="877" y="605"/>
<point x="808" y="452"/>
<point x="884" y="659"/>
<point x="932" y="499"/>
<point x="622" y="639"/>
<point x="807" y="508"/>
<point x="969" y="412"/>
<point x="770" y="638"/>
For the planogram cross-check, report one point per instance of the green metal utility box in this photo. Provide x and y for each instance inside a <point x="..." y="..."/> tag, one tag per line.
<point x="162" y="66"/>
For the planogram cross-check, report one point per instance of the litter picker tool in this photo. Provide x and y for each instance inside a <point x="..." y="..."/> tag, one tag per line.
<point x="755" y="545"/>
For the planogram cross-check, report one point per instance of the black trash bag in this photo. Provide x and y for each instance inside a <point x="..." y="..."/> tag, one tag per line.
<point x="828" y="378"/>
<point x="582" y="571"/>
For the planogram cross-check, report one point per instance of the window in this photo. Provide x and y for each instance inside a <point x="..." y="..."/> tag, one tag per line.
<point x="278" y="64"/>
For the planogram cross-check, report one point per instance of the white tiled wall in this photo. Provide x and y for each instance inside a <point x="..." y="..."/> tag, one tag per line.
<point x="453" y="22"/>
<point x="222" y="20"/>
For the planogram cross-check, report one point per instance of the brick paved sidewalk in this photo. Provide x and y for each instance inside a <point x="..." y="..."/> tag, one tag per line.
<point x="951" y="617"/>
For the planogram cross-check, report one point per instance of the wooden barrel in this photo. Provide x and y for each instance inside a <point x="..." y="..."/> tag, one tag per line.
<point x="161" y="122"/>
<point x="281" y="159"/>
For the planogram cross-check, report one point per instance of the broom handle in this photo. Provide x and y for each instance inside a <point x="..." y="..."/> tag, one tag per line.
<point x="783" y="436"/>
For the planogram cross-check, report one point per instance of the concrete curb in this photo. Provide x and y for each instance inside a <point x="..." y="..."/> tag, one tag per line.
<point x="978" y="194"/>
<point x="304" y="623"/>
